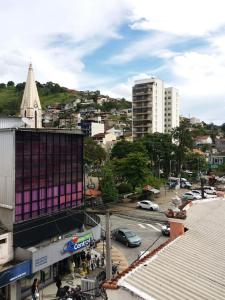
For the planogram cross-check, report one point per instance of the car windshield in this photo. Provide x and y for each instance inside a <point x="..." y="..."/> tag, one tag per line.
<point x="130" y="234"/>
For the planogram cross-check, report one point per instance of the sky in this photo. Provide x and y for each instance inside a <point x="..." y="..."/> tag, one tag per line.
<point x="107" y="44"/>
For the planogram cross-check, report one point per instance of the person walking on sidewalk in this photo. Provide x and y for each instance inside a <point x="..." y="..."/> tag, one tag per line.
<point x="35" y="290"/>
<point x="58" y="282"/>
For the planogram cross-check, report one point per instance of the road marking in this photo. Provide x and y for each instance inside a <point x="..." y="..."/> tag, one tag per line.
<point x="150" y="225"/>
<point x="142" y="226"/>
<point x="159" y="224"/>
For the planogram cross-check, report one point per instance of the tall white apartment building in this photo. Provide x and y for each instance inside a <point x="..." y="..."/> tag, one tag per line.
<point x="172" y="109"/>
<point x="148" y="107"/>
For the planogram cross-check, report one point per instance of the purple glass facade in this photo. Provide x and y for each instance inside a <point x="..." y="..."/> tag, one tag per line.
<point x="49" y="173"/>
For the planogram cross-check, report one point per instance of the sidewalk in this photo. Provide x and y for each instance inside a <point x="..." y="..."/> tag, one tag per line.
<point x="49" y="292"/>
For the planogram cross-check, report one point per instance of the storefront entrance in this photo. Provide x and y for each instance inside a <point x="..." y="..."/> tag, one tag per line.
<point x="5" y="293"/>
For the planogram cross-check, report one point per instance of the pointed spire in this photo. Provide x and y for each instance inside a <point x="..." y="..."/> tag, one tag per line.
<point x="31" y="105"/>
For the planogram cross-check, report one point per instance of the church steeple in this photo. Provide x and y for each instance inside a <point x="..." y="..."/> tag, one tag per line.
<point x="31" y="106"/>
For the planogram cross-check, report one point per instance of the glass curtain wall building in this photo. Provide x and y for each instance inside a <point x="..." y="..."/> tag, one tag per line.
<point x="48" y="171"/>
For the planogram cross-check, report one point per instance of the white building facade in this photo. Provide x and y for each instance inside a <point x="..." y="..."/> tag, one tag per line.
<point x="172" y="109"/>
<point x="148" y="107"/>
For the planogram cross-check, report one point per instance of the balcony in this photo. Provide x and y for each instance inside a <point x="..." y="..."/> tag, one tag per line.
<point x="138" y="111"/>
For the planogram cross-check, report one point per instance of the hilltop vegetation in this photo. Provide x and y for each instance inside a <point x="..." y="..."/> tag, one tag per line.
<point x="52" y="94"/>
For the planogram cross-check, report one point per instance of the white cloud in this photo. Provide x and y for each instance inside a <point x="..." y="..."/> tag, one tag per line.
<point x="195" y="18"/>
<point x="56" y="35"/>
<point x="152" y="45"/>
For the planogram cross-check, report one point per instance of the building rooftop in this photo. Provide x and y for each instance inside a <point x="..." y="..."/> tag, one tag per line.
<point x="190" y="267"/>
<point x="52" y="130"/>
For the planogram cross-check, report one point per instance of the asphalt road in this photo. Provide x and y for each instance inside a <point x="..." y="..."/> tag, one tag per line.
<point x="149" y="232"/>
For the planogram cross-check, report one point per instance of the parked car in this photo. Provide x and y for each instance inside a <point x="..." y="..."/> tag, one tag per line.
<point x="147" y="204"/>
<point x="191" y="196"/>
<point x="166" y="230"/>
<point x="126" y="237"/>
<point x="178" y="182"/>
<point x="184" y="183"/>
<point x="210" y="190"/>
<point x="199" y="192"/>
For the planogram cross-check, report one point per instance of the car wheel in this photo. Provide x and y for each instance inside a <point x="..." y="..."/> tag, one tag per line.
<point x="127" y="244"/>
<point x="151" y="208"/>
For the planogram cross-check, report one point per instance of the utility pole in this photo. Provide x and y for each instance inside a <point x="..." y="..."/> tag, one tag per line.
<point x="108" y="247"/>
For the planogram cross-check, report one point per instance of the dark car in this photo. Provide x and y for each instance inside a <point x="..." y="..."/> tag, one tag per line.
<point x="126" y="236"/>
<point x="166" y="230"/>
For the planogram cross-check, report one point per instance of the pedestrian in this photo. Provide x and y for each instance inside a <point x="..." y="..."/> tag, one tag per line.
<point x="35" y="290"/>
<point x="97" y="261"/>
<point x="88" y="257"/>
<point x="58" y="282"/>
<point x="82" y="255"/>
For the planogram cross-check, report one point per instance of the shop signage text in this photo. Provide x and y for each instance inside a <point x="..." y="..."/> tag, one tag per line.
<point x="17" y="272"/>
<point x="77" y="243"/>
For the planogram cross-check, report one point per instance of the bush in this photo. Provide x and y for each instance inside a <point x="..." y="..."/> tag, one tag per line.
<point x="154" y="181"/>
<point x="124" y="188"/>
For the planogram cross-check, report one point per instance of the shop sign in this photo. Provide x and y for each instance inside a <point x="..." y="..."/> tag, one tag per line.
<point x="77" y="243"/>
<point x="15" y="273"/>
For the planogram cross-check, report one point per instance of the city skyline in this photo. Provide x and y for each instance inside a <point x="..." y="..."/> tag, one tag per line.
<point x="107" y="45"/>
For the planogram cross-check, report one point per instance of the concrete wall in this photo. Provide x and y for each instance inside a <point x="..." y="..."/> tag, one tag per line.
<point x="97" y="128"/>
<point x="7" y="217"/>
<point x="11" y="122"/>
<point x="7" y="168"/>
<point x="6" y="248"/>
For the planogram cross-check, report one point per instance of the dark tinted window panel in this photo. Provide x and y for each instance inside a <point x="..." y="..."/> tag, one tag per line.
<point x="49" y="173"/>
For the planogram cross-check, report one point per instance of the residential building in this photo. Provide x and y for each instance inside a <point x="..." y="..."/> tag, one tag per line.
<point x="106" y="140"/>
<point x="195" y="121"/>
<point x="172" y="109"/>
<point x="30" y="108"/>
<point x="148" y="107"/>
<point x="220" y="144"/>
<point x="117" y="132"/>
<point x="203" y="140"/>
<point x="91" y="127"/>
<point x="216" y="159"/>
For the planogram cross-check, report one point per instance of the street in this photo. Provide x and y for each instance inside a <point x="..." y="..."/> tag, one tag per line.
<point x="148" y="232"/>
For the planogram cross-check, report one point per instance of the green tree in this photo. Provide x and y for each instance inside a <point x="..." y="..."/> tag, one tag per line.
<point x="223" y="128"/>
<point x="123" y="148"/>
<point x="183" y="137"/>
<point x="195" y="162"/>
<point x="132" y="169"/>
<point x="2" y="85"/>
<point x="108" y="186"/>
<point x="94" y="154"/>
<point x="10" y="83"/>
<point x="160" y="151"/>
<point x="20" y="86"/>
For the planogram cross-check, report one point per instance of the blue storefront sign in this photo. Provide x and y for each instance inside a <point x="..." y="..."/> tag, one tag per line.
<point x="77" y="243"/>
<point x="15" y="273"/>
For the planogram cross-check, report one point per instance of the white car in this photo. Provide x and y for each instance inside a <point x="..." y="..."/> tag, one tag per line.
<point x="147" y="204"/>
<point x="210" y="190"/>
<point x="197" y="192"/>
<point x="206" y="195"/>
<point x="191" y="196"/>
